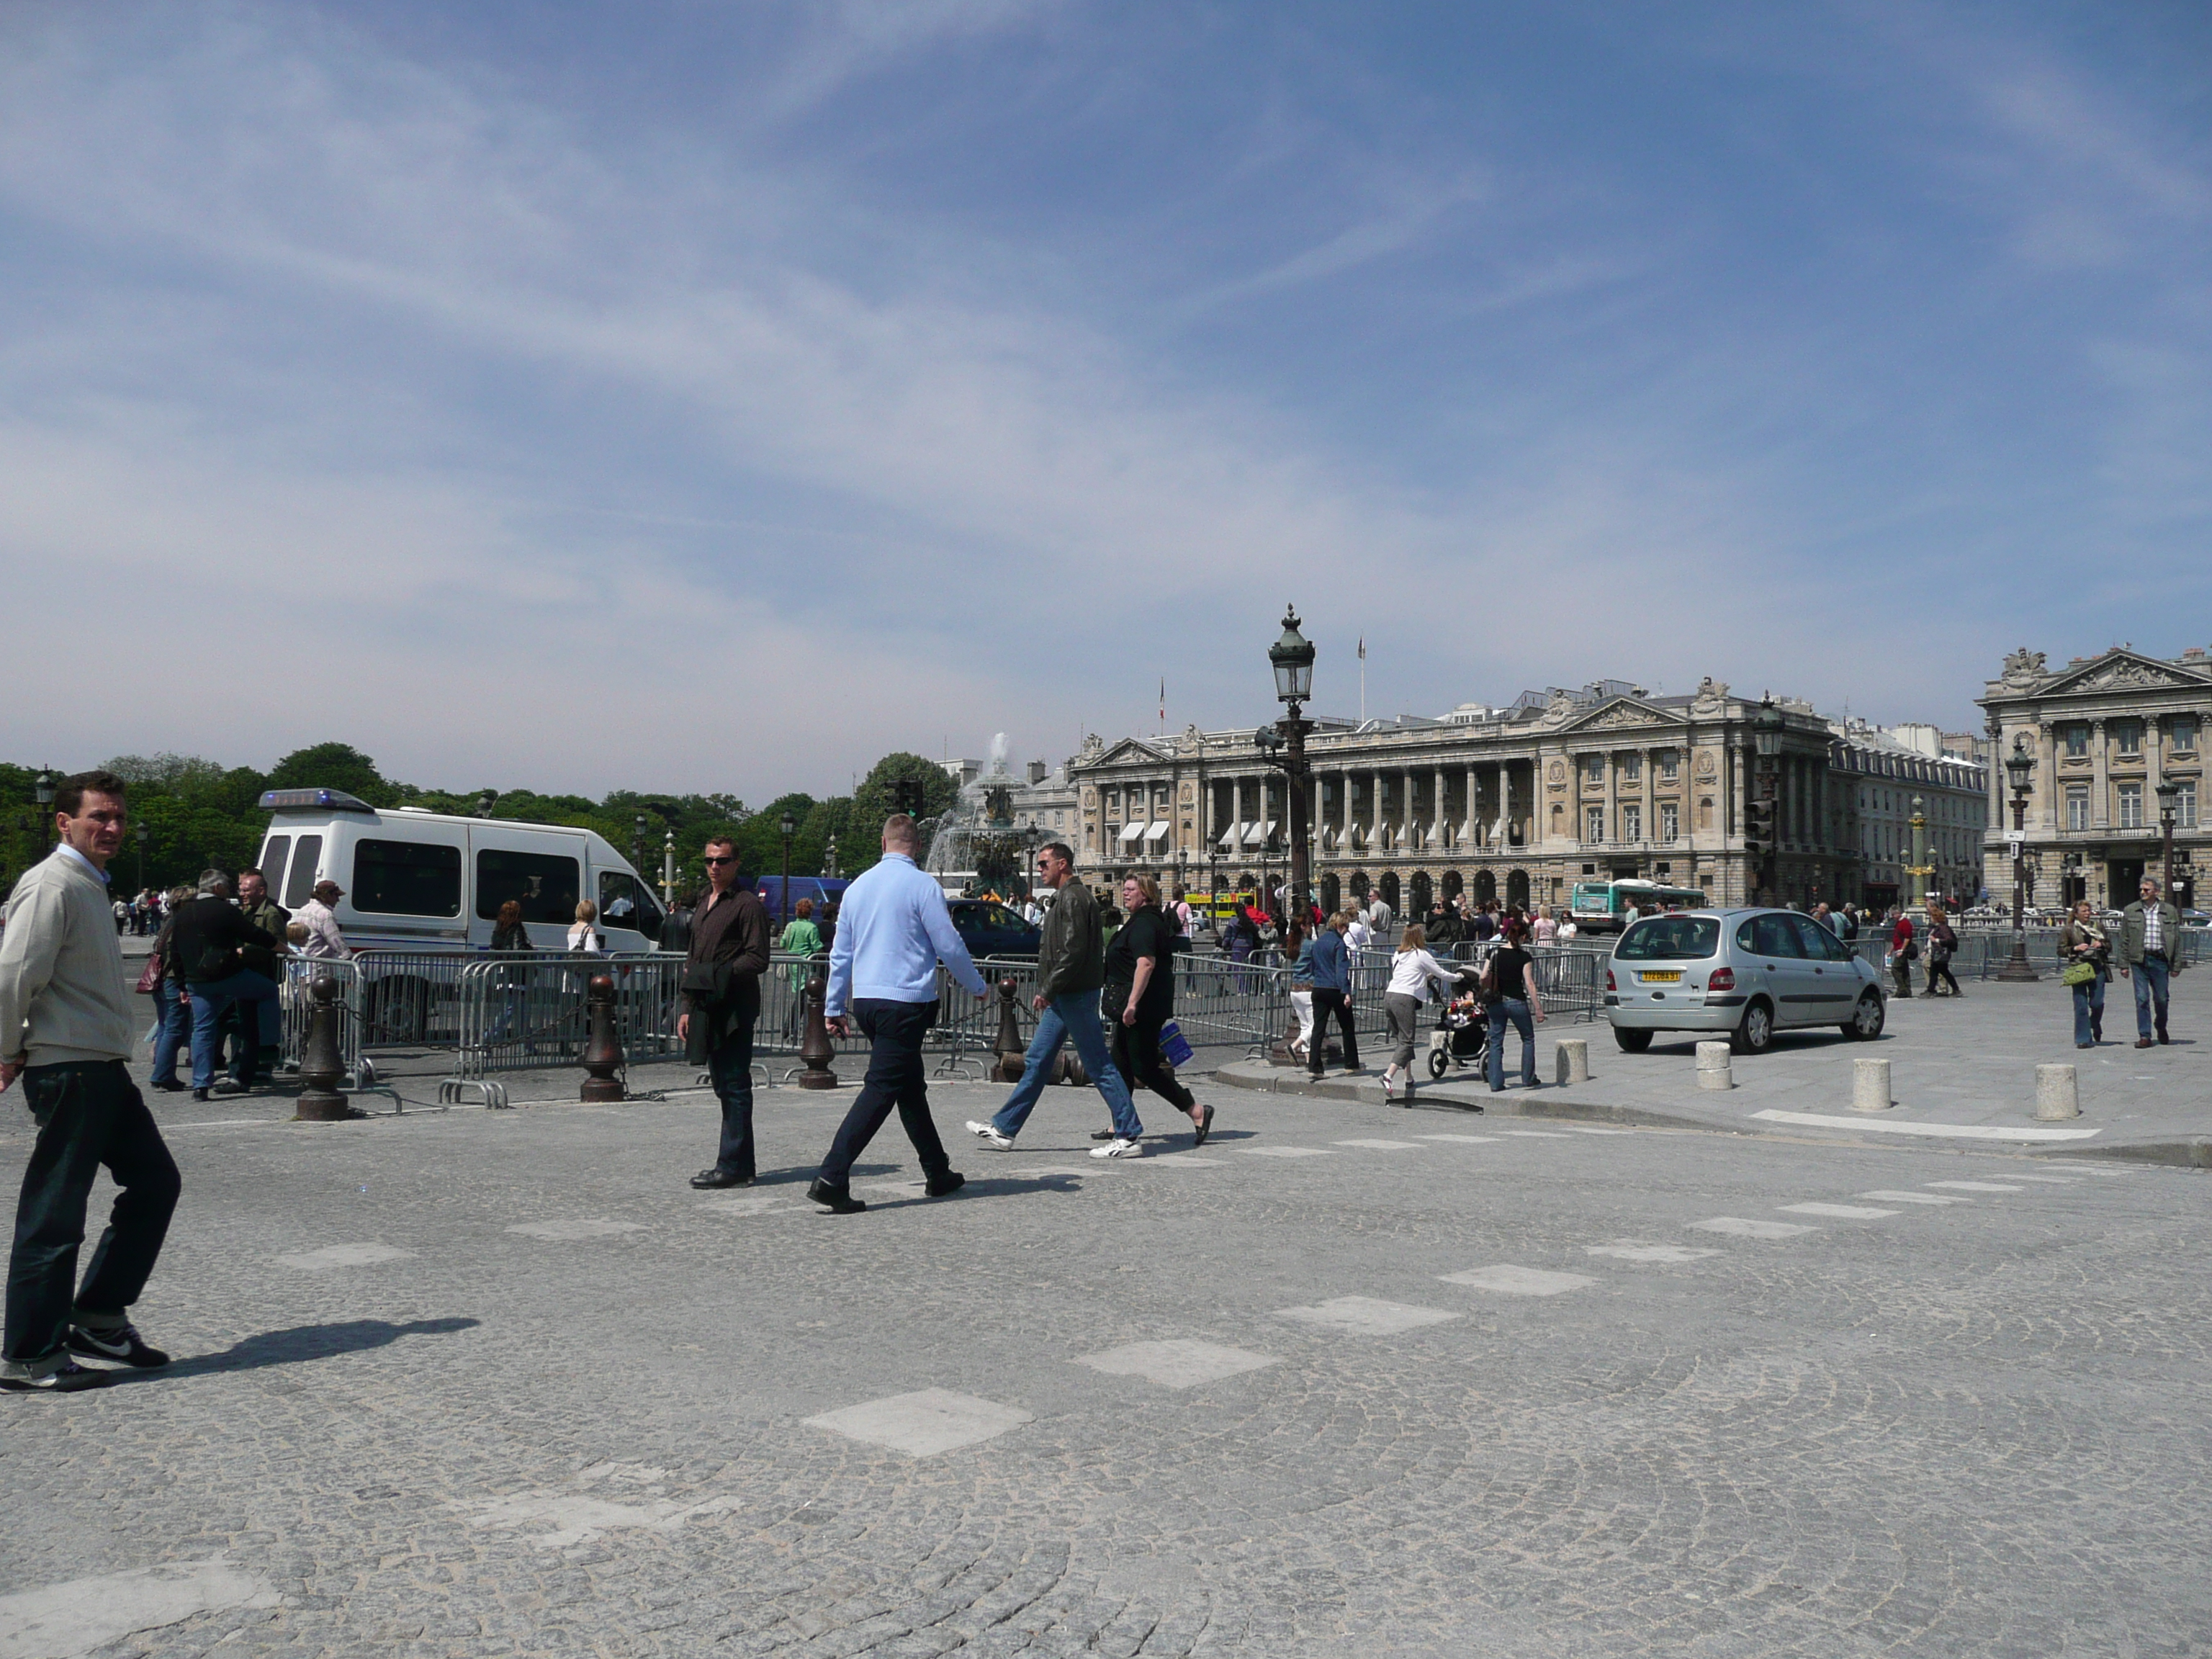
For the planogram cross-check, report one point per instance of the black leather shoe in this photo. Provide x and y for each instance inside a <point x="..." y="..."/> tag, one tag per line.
<point x="172" y="1087"/>
<point x="231" y="1085"/>
<point x="199" y="1094"/>
<point x="709" y="1178"/>
<point x="950" y="1181"/>
<point x="838" y="1201"/>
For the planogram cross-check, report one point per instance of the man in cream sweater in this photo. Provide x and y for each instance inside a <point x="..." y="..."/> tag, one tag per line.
<point x="65" y="1029"/>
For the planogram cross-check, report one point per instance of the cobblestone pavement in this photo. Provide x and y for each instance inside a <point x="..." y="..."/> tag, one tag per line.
<point x="489" y="1383"/>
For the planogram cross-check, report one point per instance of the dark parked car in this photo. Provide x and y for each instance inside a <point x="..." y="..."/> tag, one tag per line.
<point x="988" y="928"/>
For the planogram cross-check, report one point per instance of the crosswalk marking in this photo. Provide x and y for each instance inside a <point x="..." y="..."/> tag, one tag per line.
<point x="1629" y="1249"/>
<point x="1382" y="1145"/>
<point x="1534" y="1134"/>
<point x="1842" y="1212"/>
<point x="1464" y="1140"/>
<point x="578" y="1228"/>
<point x="1363" y="1315"/>
<point x="344" y="1256"/>
<point x="1976" y="1186"/>
<point x="2050" y="1181"/>
<point x="1914" y="1198"/>
<point x="1739" y="1227"/>
<point x="1519" y="1281"/>
<point x="1285" y="1151"/>
<point x="924" y="1423"/>
<point x="1182" y="1363"/>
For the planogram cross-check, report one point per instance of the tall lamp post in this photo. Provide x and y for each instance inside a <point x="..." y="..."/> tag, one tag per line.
<point x="668" y="869"/>
<point x="829" y="857"/>
<point x="789" y="825"/>
<point x="2169" y="795"/>
<point x="139" y="830"/>
<point x="1920" y="869"/>
<point x="637" y="846"/>
<point x="1766" y="727"/>
<point x="42" y="791"/>
<point x="2020" y="772"/>
<point x="1291" y="656"/>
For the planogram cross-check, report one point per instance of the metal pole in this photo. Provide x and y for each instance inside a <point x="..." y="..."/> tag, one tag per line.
<point x="2018" y="971"/>
<point x="783" y="904"/>
<point x="2166" y="824"/>
<point x="1294" y="903"/>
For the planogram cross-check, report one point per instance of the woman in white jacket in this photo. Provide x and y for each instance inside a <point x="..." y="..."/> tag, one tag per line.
<point x="1412" y="969"/>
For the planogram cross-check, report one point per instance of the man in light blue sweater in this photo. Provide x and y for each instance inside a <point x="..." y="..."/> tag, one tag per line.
<point x="893" y="930"/>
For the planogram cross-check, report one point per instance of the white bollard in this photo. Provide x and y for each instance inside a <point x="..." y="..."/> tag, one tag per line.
<point x="1713" y="1066"/>
<point x="2057" y="1094"/>
<point x="1573" y="1060"/>
<point x="1870" y="1085"/>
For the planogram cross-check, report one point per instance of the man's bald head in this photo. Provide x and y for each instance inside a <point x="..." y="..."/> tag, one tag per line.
<point x="899" y="836"/>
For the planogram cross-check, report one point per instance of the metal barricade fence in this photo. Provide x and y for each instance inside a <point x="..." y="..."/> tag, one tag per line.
<point x="294" y="999"/>
<point x="520" y="1012"/>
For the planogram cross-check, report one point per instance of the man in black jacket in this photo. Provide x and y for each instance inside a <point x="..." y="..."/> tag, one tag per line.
<point x="721" y="1001"/>
<point x="208" y="941"/>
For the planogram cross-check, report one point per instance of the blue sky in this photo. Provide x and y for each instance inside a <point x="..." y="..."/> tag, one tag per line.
<point x="714" y="397"/>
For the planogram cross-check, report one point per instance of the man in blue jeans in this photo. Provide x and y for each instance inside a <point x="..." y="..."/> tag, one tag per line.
<point x="893" y="929"/>
<point x="1071" y="969"/>
<point x="222" y="956"/>
<point x="2150" y="947"/>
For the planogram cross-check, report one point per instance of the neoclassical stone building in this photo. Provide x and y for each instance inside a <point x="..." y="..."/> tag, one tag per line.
<point x="1518" y="803"/>
<point x="2104" y="733"/>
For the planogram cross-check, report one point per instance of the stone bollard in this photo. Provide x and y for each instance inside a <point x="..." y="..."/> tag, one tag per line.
<point x="321" y="1066"/>
<point x="1870" y="1086"/>
<point x="815" y="1053"/>
<point x="1011" y="1051"/>
<point x="1573" y="1060"/>
<point x="2056" y="1093"/>
<point x="1713" y="1066"/>
<point x="603" y="1056"/>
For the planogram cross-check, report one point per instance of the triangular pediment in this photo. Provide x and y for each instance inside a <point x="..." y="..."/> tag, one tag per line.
<point x="1130" y="751"/>
<point x="2124" y="670"/>
<point x="1620" y="713"/>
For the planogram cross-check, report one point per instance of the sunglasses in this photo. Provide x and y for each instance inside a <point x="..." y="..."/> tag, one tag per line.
<point x="722" y="861"/>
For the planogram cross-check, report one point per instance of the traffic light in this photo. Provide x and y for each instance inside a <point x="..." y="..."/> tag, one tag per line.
<point x="1759" y="827"/>
<point x="907" y="792"/>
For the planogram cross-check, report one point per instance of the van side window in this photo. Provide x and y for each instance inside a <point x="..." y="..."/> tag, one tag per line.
<point x="272" y="863"/>
<point x="624" y="903"/>
<point x="546" y="886"/>
<point x="305" y="855"/>
<point x="406" y="878"/>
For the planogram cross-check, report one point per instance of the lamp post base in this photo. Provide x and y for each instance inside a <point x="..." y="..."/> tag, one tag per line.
<point x="2018" y="971"/>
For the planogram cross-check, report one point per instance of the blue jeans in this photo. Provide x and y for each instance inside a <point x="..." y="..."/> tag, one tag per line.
<point x="1074" y="1017"/>
<point x="2088" y="1011"/>
<point x="731" y="1069"/>
<point x="1515" y="1009"/>
<point x="2150" y="982"/>
<point x="174" y="1014"/>
<point x="209" y="999"/>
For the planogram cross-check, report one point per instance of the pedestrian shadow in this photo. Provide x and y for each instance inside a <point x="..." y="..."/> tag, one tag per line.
<point x="1056" y="1181"/>
<point x="806" y="1172"/>
<point x="297" y="1346"/>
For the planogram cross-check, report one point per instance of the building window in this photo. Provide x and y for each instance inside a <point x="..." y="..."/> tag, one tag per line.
<point x="2184" y="728"/>
<point x="2185" y="806"/>
<point x="1594" y="823"/>
<point x="1631" y="768"/>
<point x="2132" y="806"/>
<point x="1670" y="766"/>
<point x="2128" y="736"/>
<point x="2077" y="742"/>
<point x="2077" y="806"/>
<point x="1670" y="820"/>
<point x="1631" y="824"/>
<point x="1594" y="768"/>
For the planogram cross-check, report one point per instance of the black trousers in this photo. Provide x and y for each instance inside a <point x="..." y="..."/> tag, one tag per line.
<point x="1327" y="1003"/>
<point x="1137" y="1056"/>
<point x="1941" y="970"/>
<point x="89" y="1112"/>
<point x="730" y="1067"/>
<point x="895" y="1032"/>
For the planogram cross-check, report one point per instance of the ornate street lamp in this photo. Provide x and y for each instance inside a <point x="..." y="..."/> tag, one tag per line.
<point x="668" y="870"/>
<point x="1766" y="729"/>
<point x="789" y="825"/>
<point x="2020" y="773"/>
<point x="829" y="857"/>
<point x="1284" y="745"/>
<point x="42" y="791"/>
<point x="2169" y="795"/>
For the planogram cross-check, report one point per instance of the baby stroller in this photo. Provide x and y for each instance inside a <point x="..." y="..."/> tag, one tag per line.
<point x="1462" y="1035"/>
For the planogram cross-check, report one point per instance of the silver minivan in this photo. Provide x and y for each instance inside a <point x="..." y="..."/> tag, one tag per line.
<point x="1743" y="974"/>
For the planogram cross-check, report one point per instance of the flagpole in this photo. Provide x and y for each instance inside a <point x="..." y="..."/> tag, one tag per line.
<point x="1362" y="679"/>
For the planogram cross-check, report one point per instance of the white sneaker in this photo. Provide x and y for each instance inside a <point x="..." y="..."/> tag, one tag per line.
<point x="990" y="1136"/>
<point x="1118" y="1147"/>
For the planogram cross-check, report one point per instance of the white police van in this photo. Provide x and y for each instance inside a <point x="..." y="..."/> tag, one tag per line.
<point x="429" y="881"/>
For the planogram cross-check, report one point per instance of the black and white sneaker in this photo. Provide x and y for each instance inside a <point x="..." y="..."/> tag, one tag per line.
<point x="989" y="1135"/>
<point x="67" y="1378"/>
<point x="1118" y="1147"/>
<point x="123" y="1345"/>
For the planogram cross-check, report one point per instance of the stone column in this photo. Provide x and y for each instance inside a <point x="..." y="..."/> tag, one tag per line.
<point x="1236" y="811"/>
<point x="1375" y="808"/>
<point x="1505" y="805"/>
<point x="1612" y="798"/>
<point x="1344" y="838"/>
<point x="1437" y="810"/>
<point x="1474" y="820"/>
<point x="1650" y="795"/>
<point x="2100" y="807"/>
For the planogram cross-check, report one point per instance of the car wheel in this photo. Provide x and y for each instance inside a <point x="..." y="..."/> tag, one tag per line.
<point x="1439" y="1062"/>
<point x="1631" y="1042"/>
<point x="1868" y="1018"/>
<point x="1757" y="1031"/>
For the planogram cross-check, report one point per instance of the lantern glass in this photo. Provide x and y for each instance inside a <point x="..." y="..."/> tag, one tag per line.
<point x="2020" y="766"/>
<point x="790" y="825"/>
<point x="1292" y="658"/>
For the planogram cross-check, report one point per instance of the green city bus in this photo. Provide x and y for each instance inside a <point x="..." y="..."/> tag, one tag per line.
<point x="1603" y="907"/>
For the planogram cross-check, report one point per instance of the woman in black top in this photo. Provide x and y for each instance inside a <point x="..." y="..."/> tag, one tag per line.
<point x="1140" y="995"/>
<point x="1510" y="989"/>
<point x="508" y="933"/>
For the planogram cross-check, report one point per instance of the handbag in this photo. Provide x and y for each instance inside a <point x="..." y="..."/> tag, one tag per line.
<point x="1173" y="1044"/>
<point x="149" y="979"/>
<point x="2076" y="973"/>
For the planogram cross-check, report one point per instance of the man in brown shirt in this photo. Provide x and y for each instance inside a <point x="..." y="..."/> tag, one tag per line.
<point x="721" y="1001"/>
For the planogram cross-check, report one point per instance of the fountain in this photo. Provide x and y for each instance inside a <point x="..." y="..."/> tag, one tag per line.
<point x="973" y="845"/>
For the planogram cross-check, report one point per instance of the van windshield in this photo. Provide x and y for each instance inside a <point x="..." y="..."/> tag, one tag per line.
<point x="1670" y="939"/>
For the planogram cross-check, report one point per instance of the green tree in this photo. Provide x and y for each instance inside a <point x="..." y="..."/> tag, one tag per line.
<point x="877" y="797"/>
<point x="334" y="766"/>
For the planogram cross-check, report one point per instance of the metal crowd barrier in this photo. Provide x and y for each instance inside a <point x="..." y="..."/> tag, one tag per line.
<point x="520" y="1012"/>
<point x="297" y="1005"/>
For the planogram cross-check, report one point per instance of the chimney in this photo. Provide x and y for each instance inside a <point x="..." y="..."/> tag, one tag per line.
<point x="1039" y="772"/>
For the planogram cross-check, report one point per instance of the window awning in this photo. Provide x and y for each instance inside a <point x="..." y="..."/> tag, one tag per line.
<point x="1131" y="831"/>
<point x="1157" y="827"/>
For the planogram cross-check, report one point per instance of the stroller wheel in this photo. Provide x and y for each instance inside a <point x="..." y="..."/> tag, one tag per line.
<point x="1439" y="1062"/>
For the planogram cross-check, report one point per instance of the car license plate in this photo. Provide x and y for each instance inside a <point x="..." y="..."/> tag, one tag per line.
<point x="1671" y="977"/>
